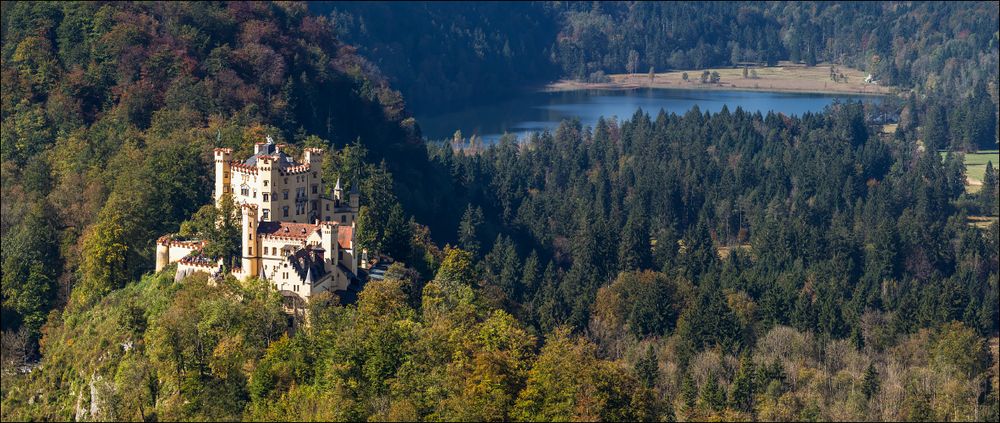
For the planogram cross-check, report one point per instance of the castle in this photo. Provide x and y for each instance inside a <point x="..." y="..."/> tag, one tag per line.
<point x="293" y="235"/>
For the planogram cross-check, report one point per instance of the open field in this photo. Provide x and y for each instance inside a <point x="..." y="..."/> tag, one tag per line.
<point x="981" y="222"/>
<point x="724" y="252"/>
<point x="784" y="77"/>
<point x="975" y="164"/>
<point x="975" y="167"/>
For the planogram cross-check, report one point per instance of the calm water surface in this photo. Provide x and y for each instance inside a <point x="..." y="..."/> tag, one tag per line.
<point x="541" y="111"/>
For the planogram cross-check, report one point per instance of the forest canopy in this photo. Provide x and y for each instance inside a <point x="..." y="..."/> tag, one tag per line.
<point x="444" y="56"/>
<point x="662" y="267"/>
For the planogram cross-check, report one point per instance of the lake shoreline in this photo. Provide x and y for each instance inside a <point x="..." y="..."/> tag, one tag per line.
<point x="569" y="85"/>
<point x="785" y="78"/>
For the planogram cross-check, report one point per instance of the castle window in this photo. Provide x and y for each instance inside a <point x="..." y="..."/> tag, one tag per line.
<point x="315" y="205"/>
<point x="343" y="218"/>
<point x="250" y="251"/>
<point x="244" y="190"/>
<point x="327" y="208"/>
<point x="265" y="196"/>
<point x="225" y="175"/>
<point x="286" y="181"/>
<point x="328" y="218"/>
<point x="285" y="193"/>
<point x="254" y="193"/>
<point x="265" y="183"/>
<point x="267" y="213"/>
<point x="314" y="188"/>
<point x="274" y="251"/>
<point x="285" y="211"/>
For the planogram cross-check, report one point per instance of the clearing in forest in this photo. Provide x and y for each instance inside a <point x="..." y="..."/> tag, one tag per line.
<point x="786" y="76"/>
<point x="975" y="167"/>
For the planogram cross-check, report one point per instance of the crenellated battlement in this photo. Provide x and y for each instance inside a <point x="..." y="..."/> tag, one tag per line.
<point x="243" y="168"/>
<point x="296" y="170"/>
<point x="169" y="241"/>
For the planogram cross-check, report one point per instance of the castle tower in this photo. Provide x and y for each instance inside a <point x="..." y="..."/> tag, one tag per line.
<point x="355" y="197"/>
<point x="328" y="240"/>
<point x="223" y="157"/>
<point x="267" y="172"/>
<point x="251" y="244"/>
<point x="313" y="157"/>
<point x="162" y="254"/>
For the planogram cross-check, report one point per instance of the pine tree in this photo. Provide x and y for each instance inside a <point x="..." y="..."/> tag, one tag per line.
<point x="935" y="129"/>
<point x="709" y="321"/>
<point x="804" y="314"/>
<point x="744" y="386"/>
<point x="468" y="229"/>
<point x="689" y="392"/>
<point x="981" y="124"/>
<point x="647" y="368"/>
<point x="398" y="233"/>
<point x="633" y="250"/>
<point x="530" y="276"/>
<point x="712" y="395"/>
<point x="699" y="252"/>
<point x="870" y="384"/>
<point x="988" y="193"/>
<point x="502" y="273"/>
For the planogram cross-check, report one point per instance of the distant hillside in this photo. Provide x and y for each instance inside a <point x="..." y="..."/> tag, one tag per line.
<point x="110" y="111"/>
<point x="442" y="55"/>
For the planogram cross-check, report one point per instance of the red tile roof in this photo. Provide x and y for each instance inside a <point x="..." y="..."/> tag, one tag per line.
<point x="344" y="236"/>
<point x="293" y="230"/>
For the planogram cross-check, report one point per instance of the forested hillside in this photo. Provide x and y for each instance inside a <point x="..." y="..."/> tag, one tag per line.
<point x="110" y="112"/>
<point x="664" y="267"/>
<point x="853" y="289"/>
<point x="447" y="54"/>
<point x="941" y="48"/>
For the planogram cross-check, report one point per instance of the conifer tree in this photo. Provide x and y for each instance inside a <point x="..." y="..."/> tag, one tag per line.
<point x="870" y="385"/>
<point x="468" y="229"/>
<point x="689" y="392"/>
<point x="988" y="193"/>
<point x="712" y="395"/>
<point x="647" y="368"/>
<point x="744" y="386"/>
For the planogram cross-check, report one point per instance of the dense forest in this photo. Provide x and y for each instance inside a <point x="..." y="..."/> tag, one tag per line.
<point x="936" y="48"/>
<point x="738" y="266"/>
<point x="447" y="54"/>
<point x="110" y="112"/>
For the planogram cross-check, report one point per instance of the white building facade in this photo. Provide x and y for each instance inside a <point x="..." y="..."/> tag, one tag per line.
<point x="293" y="235"/>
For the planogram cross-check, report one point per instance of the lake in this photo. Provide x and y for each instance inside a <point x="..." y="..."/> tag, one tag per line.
<point x="539" y="111"/>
